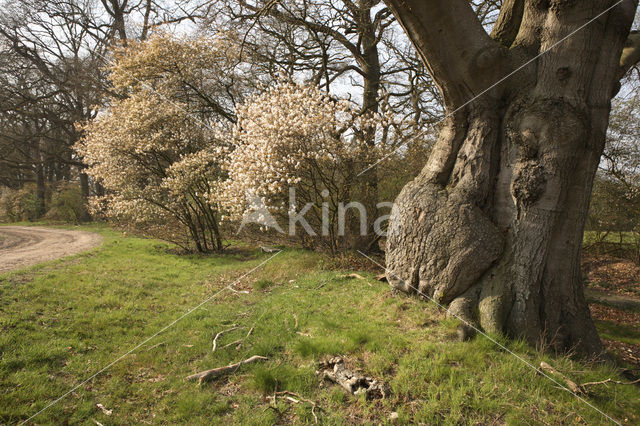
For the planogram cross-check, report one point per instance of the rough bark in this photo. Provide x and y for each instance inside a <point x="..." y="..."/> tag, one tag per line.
<point x="493" y="224"/>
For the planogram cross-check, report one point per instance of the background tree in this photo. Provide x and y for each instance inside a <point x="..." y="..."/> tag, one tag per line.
<point x="52" y="57"/>
<point x="352" y="49"/>
<point x="615" y="204"/>
<point x="494" y="222"/>
<point x="159" y="147"/>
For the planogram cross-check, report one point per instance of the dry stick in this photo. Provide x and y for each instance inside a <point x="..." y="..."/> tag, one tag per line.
<point x="232" y="343"/>
<point x="241" y="341"/>
<point x="215" y="339"/>
<point x="156" y="345"/>
<point x="238" y="342"/>
<point x="207" y="375"/>
<point x="288" y="395"/>
<point x="575" y="388"/>
<point x="610" y="381"/>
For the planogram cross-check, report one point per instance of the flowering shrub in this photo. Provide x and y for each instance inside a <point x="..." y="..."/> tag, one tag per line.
<point x="295" y="135"/>
<point x="158" y="151"/>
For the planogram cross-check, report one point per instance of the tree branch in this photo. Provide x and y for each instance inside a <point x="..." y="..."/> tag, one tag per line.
<point x="460" y="56"/>
<point x="508" y="23"/>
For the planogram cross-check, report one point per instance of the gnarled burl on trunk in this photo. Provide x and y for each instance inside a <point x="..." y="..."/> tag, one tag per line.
<point x="493" y="224"/>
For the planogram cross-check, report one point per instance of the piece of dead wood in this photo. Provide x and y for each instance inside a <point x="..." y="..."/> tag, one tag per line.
<point x="353" y="382"/>
<point x="156" y="346"/>
<point x="354" y="275"/>
<point x="303" y="334"/>
<point x="291" y="397"/>
<point x="215" y="339"/>
<point x="573" y="386"/>
<point x="244" y="338"/>
<point x="604" y="382"/>
<point x="235" y="342"/>
<point x="214" y="373"/>
<point x="382" y="277"/>
<point x="104" y="410"/>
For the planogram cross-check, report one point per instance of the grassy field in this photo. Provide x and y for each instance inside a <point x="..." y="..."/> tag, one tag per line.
<point x="63" y="321"/>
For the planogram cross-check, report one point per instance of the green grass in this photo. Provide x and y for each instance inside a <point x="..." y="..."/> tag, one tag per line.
<point x="628" y="238"/>
<point x="63" y="321"/>
<point x="620" y="332"/>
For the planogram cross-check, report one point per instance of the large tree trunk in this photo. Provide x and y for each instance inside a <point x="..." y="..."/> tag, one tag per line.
<point x="493" y="224"/>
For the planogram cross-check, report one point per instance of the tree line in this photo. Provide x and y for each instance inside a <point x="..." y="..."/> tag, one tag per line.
<point x="64" y="63"/>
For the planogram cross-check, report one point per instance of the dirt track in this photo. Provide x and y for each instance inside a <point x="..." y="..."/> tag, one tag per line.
<point x="22" y="246"/>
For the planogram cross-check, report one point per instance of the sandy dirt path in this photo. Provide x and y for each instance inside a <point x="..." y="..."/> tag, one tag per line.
<point x="22" y="246"/>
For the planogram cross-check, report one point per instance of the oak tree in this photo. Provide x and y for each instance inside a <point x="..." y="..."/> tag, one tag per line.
<point x="493" y="224"/>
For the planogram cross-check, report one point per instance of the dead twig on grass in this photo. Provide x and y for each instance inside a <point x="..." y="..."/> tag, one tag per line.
<point x="573" y="386"/>
<point x="291" y="397"/>
<point x="241" y="341"/>
<point x="215" y="339"/>
<point x="156" y="346"/>
<point x="214" y="373"/>
<point x="615" y="382"/>
<point x="236" y="342"/>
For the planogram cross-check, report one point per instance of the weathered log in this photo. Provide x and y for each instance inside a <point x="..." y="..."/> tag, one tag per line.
<point x="353" y="382"/>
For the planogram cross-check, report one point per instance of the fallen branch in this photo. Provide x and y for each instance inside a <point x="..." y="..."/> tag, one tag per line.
<point x="354" y="275"/>
<point x="156" y="346"/>
<point x="289" y="396"/>
<point x="236" y="342"/>
<point x="104" y="410"/>
<point x="241" y="341"/>
<point x="214" y="373"/>
<point x="573" y="386"/>
<point x="215" y="339"/>
<point x="603" y="382"/>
